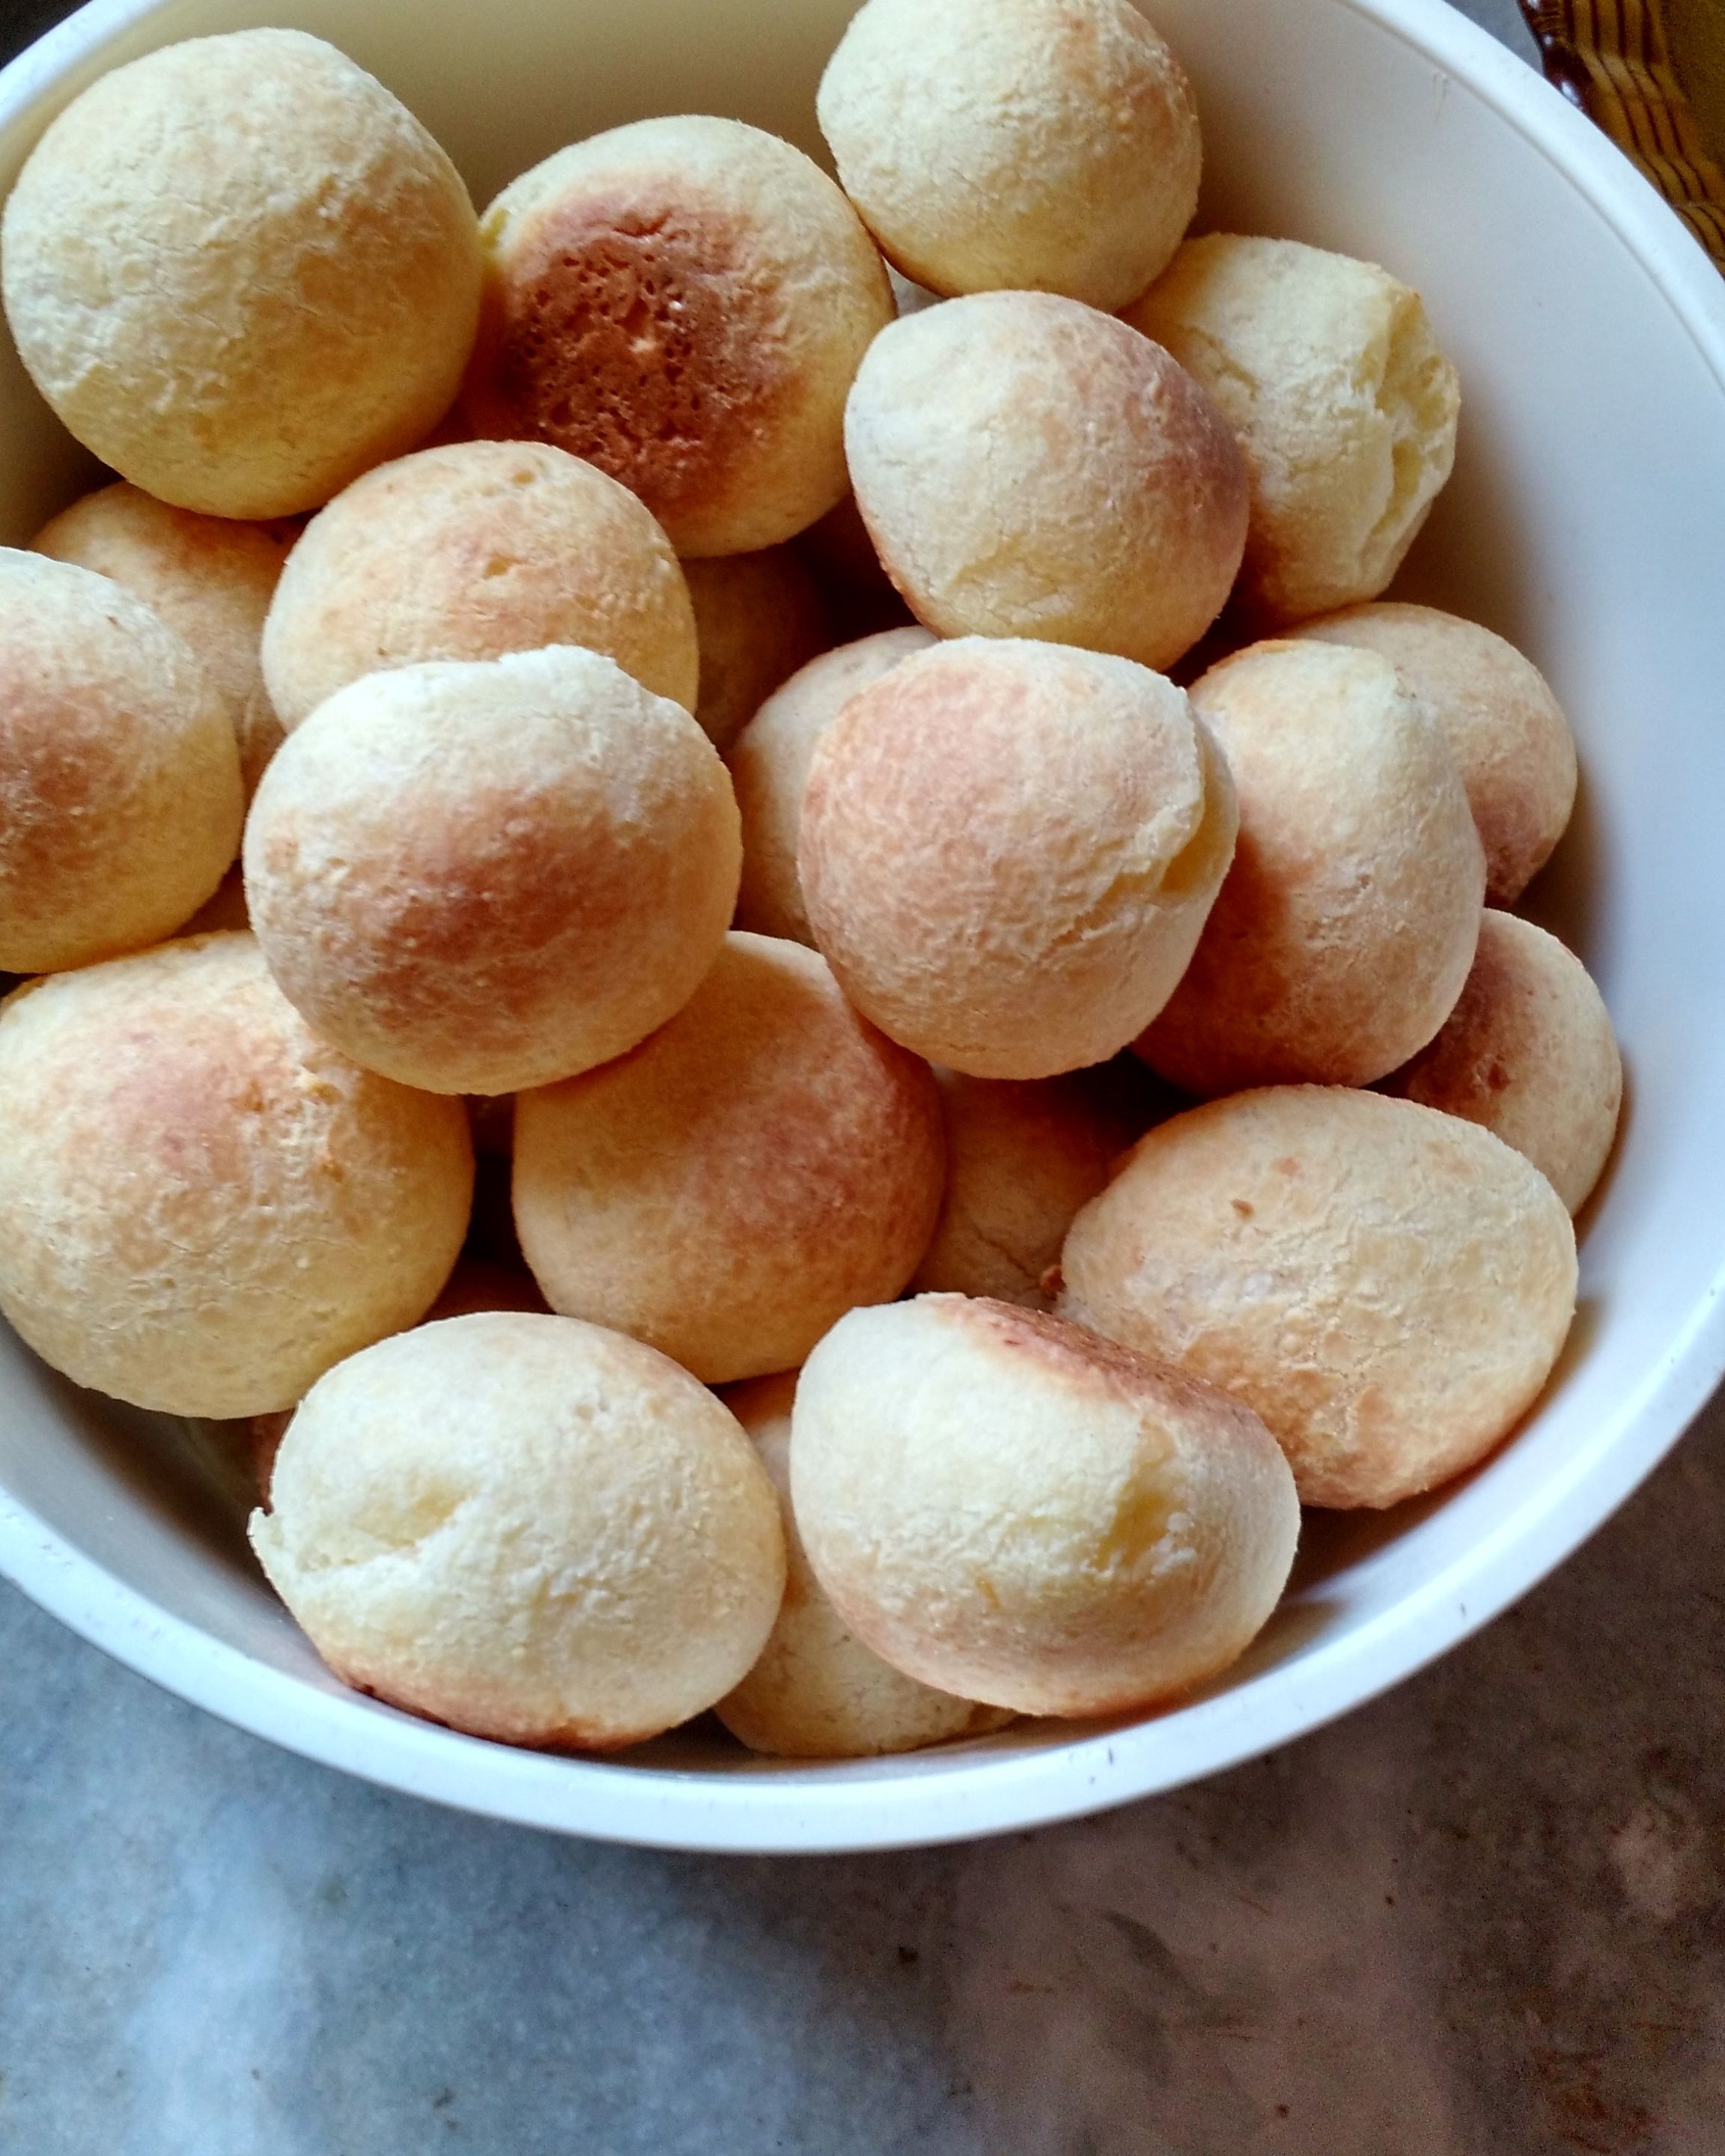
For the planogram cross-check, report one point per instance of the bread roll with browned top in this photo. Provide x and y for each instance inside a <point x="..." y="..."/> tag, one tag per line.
<point x="757" y="618"/>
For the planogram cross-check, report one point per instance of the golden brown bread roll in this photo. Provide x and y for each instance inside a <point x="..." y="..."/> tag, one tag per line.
<point x="757" y="618"/>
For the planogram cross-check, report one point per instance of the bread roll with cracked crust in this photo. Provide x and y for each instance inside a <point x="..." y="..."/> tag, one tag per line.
<point x="242" y="273"/>
<point x="1388" y="1286"/>
<point x="1018" y="1512"/>
<point x="1328" y="370"/>
<point x="531" y="1529"/>
<point x="1028" y="467"/>
<point x="758" y="618"/>
<point x="206" y="1206"/>
<point x="1347" y="921"/>
<point x="474" y="877"/>
<point x="683" y="302"/>
<point x="1009" y="849"/>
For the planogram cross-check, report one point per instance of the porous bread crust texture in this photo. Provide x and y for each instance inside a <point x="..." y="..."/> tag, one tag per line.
<point x="816" y="1692"/>
<point x="684" y="301"/>
<point x="210" y="578"/>
<point x="241" y="272"/>
<point x="1044" y="145"/>
<point x="206" y="1206"/>
<point x="1027" y="467"/>
<point x="1013" y="1510"/>
<point x="1008" y="850"/>
<point x="1529" y="1052"/>
<point x="769" y="763"/>
<point x="1328" y="370"/>
<point x="757" y="618"/>
<point x="1347" y="921"/>
<point x="469" y="552"/>
<point x="528" y="1528"/>
<point x="1506" y="730"/>
<point x="474" y="876"/>
<point x="1389" y="1287"/>
<point x="763" y="1162"/>
<point x="121" y="800"/>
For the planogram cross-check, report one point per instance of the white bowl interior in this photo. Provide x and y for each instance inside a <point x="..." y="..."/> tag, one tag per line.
<point x="1581" y="522"/>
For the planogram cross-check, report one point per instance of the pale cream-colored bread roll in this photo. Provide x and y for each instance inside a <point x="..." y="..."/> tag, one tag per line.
<point x="1388" y="1286"/>
<point x="121" y="799"/>
<point x="242" y="273"/>
<point x="1013" y="1510"/>
<point x="765" y="1162"/>
<point x="477" y="877"/>
<point x="1027" y="466"/>
<point x="1506" y="730"/>
<point x="1328" y="370"/>
<point x="209" y="578"/>
<point x="1347" y="922"/>
<point x="1008" y="851"/>
<point x="469" y="552"/>
<point x="1529" y="1053"/>
<point x="1040" y="145"/>
<point x="204" y="1204"/>
<point x="758" y="618"/>
<point x="769" y="763"/>
<point x="683" y="301"/>
<point x="817" y="1693"/>
<point x="531" y="1529"/>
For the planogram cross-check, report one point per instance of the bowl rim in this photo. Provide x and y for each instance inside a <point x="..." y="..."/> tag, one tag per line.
<point x="809" y="1808"/>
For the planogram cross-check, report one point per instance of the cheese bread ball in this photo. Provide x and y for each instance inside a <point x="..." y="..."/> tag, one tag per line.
<point x="1008" y="851"/>
<point x="758" y="618"/>
<point x="205" y="1204"/>
<point x="683" y="301"/>
<point x="1039" y="145"/>
<point x="242" y="273"/>
<point x="477" y="876"/>
<point x="769" y="762"/>
<point x="817" y="1693"/>
<point x="1388" y="1286"/>
<point x="207" y="577"/>
<point x="1028" y="467"/>
<point x="1015" y="1511"/>
<point x="1505" y="728"/>
<point x="1529" y="1053"/>
<point x="120" y="790"/>
<point x="1328" y="370"/>
<point x="531" y="1529"/>
<point x="861" y="599"/>
<point x="470" y="551"/>
<point x="1347" y="922"/>
<point x="762" y="1163"/>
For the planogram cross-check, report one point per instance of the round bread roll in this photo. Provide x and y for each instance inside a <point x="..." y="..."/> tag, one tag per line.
<point x="242" y="273"/>
<point x="477" y="877"/>
<point x="758" y="618"/>
<point x="1037" y="145"/>
<point x="817" y="1693"/>
<point x="1028" y="467"/>
<point x="206" y="1206"/>
<point x="1347" y="922"/>
<point x="861" y="599"/>
<point x="209" y="578"/>
<point x="1327" y="371"/>
<point x="1014" y="1510"/>
<point x="769" y="762"/>
<point x="1008" y="851"/>
<point x="1388" y="1286"/>
<point x="121" y="799"/>
<point x="470" y="551"/>
<point x="1506" y="730"/>
<point x="1529" y="1053"/>
<point x="683" y="301"/>
<point x="762" y="1163"/>
<point x="528" y="1528"/>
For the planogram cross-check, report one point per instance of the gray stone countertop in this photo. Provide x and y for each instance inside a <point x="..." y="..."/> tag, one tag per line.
<point x="1484" y="1916"/>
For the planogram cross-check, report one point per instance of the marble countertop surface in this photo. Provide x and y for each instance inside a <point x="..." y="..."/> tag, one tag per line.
<point x="1484" y="1916"/>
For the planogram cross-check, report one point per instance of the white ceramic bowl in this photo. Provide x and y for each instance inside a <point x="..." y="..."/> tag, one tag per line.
<point x="1584" y="521"/>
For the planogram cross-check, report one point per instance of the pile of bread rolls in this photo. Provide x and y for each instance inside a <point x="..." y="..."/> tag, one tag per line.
<point x="867" y="1023"/>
